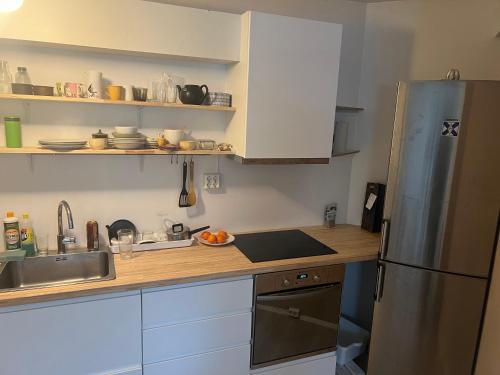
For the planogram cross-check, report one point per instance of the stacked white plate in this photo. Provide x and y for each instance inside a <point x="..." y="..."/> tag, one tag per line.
<point x="63" y="144"/>
<point x="129" y="139"/>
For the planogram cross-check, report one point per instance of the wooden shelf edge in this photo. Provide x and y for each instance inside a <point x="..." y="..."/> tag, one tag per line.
<point x="345" y="153"/>
<point x="62" y="99"/>
<point x="111" y="151"/>
<point x="343" y="108"/>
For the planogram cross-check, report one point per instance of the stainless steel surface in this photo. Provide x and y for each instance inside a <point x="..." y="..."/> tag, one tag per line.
<point x="296" y="314"/>
<point x="442" y="215"/>
<point x="62" y="241"/>
<point x="427" y="172"/>
<point x="426" y="322"/>
<point x="285" y="280"/>
<point x="379" y="287"/>
<point x="57" y="269"/>
<point x="383" y="238"/>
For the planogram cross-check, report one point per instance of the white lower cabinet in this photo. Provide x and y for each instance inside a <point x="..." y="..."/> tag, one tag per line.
<point x="181" y="340"/>
<point x="320" y="365"/>
<point x="91" y="335"/>
<point x="198" y="329"/>
<point x="232" y="361"/>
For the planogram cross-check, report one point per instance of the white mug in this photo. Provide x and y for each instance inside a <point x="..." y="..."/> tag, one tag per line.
<point x="173" y="136"/>
<point x="129" y="95"/>
<point x="94" y="84"/>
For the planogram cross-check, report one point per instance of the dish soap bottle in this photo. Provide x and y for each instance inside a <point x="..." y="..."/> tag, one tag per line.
<point x="11" y="232"/>
<point x="27" y="242"/>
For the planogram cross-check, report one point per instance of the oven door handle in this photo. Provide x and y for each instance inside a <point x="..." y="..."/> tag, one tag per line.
<point x="294" y="293"/>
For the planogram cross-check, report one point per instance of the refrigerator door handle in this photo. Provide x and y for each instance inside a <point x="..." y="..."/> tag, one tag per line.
<point x="379" y="287"/>
<point x="384" y="239"/>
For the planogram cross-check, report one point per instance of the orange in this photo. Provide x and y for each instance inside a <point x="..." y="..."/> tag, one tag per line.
<point x="222" y="233"/>
<point x="221" y="239"/>
<point x="212" y="238"/>
<point x="205" y="235"/>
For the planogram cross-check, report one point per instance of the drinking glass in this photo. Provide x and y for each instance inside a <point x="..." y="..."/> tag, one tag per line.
<point x="125" y="242"/>
<point x="42" y="243"/>
<point x="5" y="78"/>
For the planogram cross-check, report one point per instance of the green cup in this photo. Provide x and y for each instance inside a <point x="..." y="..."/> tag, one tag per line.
<point x="13" y="132"/>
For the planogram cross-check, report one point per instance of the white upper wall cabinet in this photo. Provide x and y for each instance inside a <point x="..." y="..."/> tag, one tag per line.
<point x="285" y="87"/>
<point x="126" y="26"/>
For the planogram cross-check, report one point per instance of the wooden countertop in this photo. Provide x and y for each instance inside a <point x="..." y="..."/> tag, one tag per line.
<point x="201" y="263"/>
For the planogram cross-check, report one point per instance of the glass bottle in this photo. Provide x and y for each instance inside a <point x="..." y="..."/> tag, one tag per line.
<point x="5" y="78"/>
<point x="22" y="75"/>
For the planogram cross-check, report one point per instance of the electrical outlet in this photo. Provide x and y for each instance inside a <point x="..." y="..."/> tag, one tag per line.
<point x="211" y="181"/>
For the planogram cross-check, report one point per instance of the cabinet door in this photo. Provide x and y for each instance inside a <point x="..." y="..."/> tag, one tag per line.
<point x="73" y="337"/>
<point x="202" y="336"/>
<point x="293" y="68"/>
<point x="195" y="302"/>
<point x="234" y="361"/>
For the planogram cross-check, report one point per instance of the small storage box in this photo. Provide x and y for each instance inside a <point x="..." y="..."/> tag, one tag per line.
<point x="352" y="341"/>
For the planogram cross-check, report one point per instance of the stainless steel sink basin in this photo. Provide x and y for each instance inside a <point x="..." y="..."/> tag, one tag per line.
<point x="57" y="269"/>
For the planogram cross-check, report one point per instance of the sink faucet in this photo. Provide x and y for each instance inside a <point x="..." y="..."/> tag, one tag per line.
<point x="62" y="241"/>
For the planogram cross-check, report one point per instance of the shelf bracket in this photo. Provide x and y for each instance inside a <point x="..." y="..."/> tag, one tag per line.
<point x="139" y="117"/>
<point x="141" y="163"/>
<point x="30" y="160"/>
<point x="27" y="112"/>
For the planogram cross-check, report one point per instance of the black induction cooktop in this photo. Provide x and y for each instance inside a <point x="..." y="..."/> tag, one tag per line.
<point x="284" y="244"/>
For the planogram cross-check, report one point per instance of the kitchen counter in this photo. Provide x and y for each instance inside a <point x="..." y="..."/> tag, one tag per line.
<point x="201" y="263"/>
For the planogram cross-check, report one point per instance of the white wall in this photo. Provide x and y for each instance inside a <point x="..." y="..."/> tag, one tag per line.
<point x="415" y="39"/>
<point x="113" y="187"/>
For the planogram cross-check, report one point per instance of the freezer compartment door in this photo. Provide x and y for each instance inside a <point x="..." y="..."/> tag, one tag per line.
<point x="425" y="322"/>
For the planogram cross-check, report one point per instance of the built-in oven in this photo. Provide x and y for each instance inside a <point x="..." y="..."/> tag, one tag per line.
<point x="296" y="314"/>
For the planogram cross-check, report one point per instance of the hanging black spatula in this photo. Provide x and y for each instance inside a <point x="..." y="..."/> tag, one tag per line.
<point x="183" y="198"/>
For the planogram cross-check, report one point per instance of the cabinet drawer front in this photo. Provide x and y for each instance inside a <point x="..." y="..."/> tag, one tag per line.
<point x="164" y="343"/>
<point x="234" y="361"/>
<point x="172" y="306"/>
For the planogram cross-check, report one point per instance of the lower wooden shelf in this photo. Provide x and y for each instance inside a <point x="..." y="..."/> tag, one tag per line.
<point x="110" y="151"/>
<point x="349" y="152"/>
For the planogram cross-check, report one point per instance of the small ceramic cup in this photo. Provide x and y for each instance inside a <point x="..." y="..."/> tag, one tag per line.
<point x="114" y="92"/>
<point x="98" y="143"/>
<point x="71" y="90"/>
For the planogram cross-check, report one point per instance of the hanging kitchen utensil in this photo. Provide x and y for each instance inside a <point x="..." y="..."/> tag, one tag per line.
<point x="184" y="194"/>
<point x="191" y="198"/>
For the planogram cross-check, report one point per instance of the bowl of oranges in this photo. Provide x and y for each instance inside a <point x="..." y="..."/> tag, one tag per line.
<point x="219" y="238"/>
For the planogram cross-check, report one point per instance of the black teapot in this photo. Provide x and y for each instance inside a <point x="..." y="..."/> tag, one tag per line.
<point x="192" y="94"/>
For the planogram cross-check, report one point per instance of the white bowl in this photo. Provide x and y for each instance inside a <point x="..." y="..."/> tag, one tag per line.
<point x="173" y="136"/>
<point x="126" y="129"/>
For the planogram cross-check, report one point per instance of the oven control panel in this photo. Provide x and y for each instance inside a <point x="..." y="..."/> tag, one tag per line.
<point x="277" y="281"/>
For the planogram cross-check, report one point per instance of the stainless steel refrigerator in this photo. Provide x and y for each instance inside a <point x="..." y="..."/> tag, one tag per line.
<point x="441" y="219"/>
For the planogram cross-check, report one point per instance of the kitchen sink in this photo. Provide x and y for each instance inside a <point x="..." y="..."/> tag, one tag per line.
<point x="57" y="269"/>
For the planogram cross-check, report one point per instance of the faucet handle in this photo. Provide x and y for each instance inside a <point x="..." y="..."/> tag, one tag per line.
<point x="69" y="240"/>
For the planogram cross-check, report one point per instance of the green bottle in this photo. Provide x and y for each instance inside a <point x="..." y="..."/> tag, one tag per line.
<point x="27" y="241"/>
<point x="13" y="132"/>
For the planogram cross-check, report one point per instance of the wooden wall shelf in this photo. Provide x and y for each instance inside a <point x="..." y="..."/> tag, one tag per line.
<point x="87" y="151"/>
<point x="342" y="108"/>
<point x="61" y="99"/>
<point x="350" y="152"/>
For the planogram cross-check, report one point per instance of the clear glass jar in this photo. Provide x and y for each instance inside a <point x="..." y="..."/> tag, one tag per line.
<point x="22" y="75"/>
<point x="5" y="78"/>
